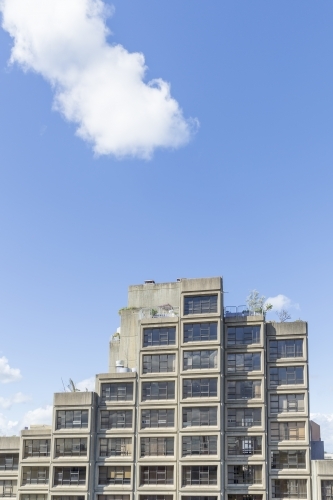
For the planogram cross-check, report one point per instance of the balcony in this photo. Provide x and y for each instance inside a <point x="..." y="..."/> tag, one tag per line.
<point x="165" y="311"/>
<point x="239" y="312"/>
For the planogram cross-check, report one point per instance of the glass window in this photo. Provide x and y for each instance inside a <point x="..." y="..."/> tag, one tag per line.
<point x="9" y="461"/>
<point x="69" y="476"/>
<point x="155" y="337"/>
<point x="155" y="497"/>
<point x="244" y="445"/>
<point x="200" y="360"/>
<point x="158" y="363"/>
<point x="199" y="416"/>
<point x="244" y="389"/>
<point x="285" y="349"/>
<point x="116" y="419"/>
<point x="157" y="446"/>
<point x="114" y="475"/>
<point x="287" y="431"/>
<point x="200" y="304"/>
<point x="199" y="475"/>
<point x="35" y="475"/>
<point x="200" y="332"/>
<point x="289" y="488"/>
<point x="115" y="447"/>
<point x="244" y="497"/>
<point x="286" y="375"/>
<point x="156" y="475"/>
<point x="199" y="388"/>
<point x="284" y="403"/>
<point x="8" y="488"/>
<point x="195" y="497"/>
<point x="289" y="459"/>
<point x="244" y="474"/>
<point x="117" y="392"/>
<point x="244" y="417"/>
<point x="67" y="497"/>
<point x="72" y="419"/>
<point x="36" y="448"/>
<point x="243" y="362"/>
<point x="243" y="335"/>
<point x="113" y="497"/>
<point x="327" y="490"/>
<point x="199" y="445"/>
<point x="71" y="447"/>
<point x="158" y="390"/>
<point x="33" y="497"/>
<point x="157" y="418"/>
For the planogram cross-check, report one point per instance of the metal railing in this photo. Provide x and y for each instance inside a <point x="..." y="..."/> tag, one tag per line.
<point x="239" y="311"/>
<point x="159" y="312"/>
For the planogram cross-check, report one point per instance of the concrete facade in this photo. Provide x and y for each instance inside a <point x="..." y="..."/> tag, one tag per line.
<point x="200" y="403"/>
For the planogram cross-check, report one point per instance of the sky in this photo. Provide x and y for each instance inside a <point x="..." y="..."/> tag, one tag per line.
<point x="158" y="140"/>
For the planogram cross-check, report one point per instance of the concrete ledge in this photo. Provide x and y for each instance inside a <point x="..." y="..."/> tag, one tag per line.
<point x="287" y="328"/>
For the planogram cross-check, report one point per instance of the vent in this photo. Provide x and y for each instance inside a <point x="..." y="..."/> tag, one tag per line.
<point x="149" y="282"/>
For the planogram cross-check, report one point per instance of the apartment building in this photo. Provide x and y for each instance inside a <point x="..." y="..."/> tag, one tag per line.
<point x="201" y="402"/>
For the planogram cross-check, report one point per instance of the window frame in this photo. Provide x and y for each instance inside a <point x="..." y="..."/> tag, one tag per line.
<point x="121" y="415"/>
<point x="203" y="304"/>
<point x="162" y="331"/>
<point x="191" y="336"/>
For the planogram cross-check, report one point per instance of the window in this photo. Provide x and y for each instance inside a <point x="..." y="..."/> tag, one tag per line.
<point x="200" y="360"/>
<point x="35" y="475"/>
<point x="115" y="447"/>
<point x="244" y="497"/>
<point x="200" y="332"/>
<point x="158" y="363"/>
<point x="9" y="461"/>
<point x="199" y="416"/>
<point x="8" y="488"/>
<point x="71" y="447"/>
<point x="288" y="459"/>
<point x="284" y="403"/>
<point x="243" y="335"/>
<point x="244" y="445"/>
<point x="200" y="304"/>
<point x="157" y="446"/>
<point x="244" y="417"/>
<point x="244" y="389"/>
<point x="195" y="497"/>
<point x="114" y="475"/>
<point x="326" y="490"/>
<point x="245" y="362"/>
<point x="72" y="419"/>
<point x="286" y="375"/>
<point x="156" y="475"/>
<point x="159" y="336"/>
<point x="117" y="392"/>
<point x="285" y="349"/>
<point x="37" y="447"/>
<point x="199" y="388"/>
<point x="244" y="474"/>
<point x="113" y="497"/>
<point x="155" y="497"/>
<point x="68" y="497"/>
<point x="117" y="419"/>
<point x="158" y="390"/>
<point x="199" y="445"/>
<point x="289" y="488"/>
<point x="157" y="418"/>
<point x="69" y="475"/>
<point x="33" y="497"/>
<point x="199" y="475"/>
<point x="287" y="431"/>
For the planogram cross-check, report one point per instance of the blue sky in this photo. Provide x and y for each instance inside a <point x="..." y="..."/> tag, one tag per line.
<point x="238" y="183"/>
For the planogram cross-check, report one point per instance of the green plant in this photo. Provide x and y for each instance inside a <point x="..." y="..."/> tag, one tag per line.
<point x="153" y="312"/>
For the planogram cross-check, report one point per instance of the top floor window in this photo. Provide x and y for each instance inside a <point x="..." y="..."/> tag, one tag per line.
<point x="243" y="335"/>
<point x="117" y="391"/>
<point x="159" y="336"/>
<point x="285" y="349"/>
<point x="72" y="419"/>
<point x="200" y="304"/>
<point x="37" y="447"/>
<point x="200" y="332"/>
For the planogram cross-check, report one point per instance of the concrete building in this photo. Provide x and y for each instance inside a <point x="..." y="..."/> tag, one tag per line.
<point x="201" y="402"/>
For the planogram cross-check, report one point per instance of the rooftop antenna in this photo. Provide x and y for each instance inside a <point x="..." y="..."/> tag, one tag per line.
<point x="72" y="387"/>
<point x="63" y="385"/>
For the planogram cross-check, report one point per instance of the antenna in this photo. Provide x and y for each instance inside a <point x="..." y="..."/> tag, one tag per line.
<point x="63" y="385"/>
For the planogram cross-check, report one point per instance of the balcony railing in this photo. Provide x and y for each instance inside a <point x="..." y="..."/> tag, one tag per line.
<point x="239" y="311"/>
<point x="166" y="311"/>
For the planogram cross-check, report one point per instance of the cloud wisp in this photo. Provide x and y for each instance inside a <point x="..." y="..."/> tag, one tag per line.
<point x="17" y="398"/>
<point x="280" y="302"/>
<point x="98" y="86"/>
<point x="8" y="374"/>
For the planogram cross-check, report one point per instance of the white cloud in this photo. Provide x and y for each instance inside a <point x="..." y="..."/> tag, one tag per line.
<point x="39" y="416"/>
<point x="98" y="86"/>
<point x="88" y="383"/>
<point x="325" y="420"/>
<point x="281" y="302"/>
<point x="17" y="398"/>
<point x="8" y="374"/>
